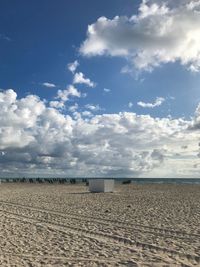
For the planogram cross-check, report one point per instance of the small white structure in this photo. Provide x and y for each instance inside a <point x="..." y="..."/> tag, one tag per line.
<point x="101" y="185"/>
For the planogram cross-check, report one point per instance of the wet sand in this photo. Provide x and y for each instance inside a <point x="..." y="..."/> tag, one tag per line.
<point x="65" y="225"/>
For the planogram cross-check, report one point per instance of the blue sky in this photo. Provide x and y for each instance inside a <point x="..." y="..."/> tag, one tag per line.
<point x="45" y="36"/>
<point x="136" y="59"/>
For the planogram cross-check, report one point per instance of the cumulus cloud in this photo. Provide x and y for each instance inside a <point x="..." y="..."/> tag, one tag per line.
<point x="49" y="85"/>
<point x="196" y="121"/>
<point x="73" y="108"/>
<point x="79" y="78"/>
<point x="57" y="104"/>
<point x="71" y="91"/>
<point x="93" y="107"/>
<point x="73" y="66"/>
<point x="158" y="102"/>
<point x="16" y="120"/>
<point x="64" y="96"/>
<point x="87" y="113"/>
<point x="38" y="139"/>
<point x="162" y="32"/>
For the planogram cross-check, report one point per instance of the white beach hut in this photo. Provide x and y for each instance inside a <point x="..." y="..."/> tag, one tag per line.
<point x="101" y="185"/>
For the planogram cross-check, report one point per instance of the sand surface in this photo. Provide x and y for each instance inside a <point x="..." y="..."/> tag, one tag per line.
<point x="64" y="225"/>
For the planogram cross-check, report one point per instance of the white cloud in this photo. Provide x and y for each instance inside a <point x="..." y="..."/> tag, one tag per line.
<point x="17" y="117"/>
<point x="71" y="91"/>
<point x="161" y="32"/>
<point x="193" y="4"/>
<point x="39" y="140"/>
<point x="106" y="90"/>
<point x="93" y="107"/>
<point x="158" y="102"/>
<point x="196" y="121"/>
<point x="79" y="78"/>
<point x="73" y="66"/>
<point x="49" y="85"/>
<point x="84" y="95"/>
<point x="130" y="104"/>
<point x="73" y="108"/>
<point x="63" y="96"/>
<point x="57" y="104"/>
<point x="76" y="115"/>
<point x="87" y="113"/>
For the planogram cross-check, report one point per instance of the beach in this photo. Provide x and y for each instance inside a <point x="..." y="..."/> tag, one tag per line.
<point x="66" y="225"/>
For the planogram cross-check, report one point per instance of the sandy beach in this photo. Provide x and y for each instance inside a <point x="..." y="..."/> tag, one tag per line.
<point x="65" y="225"/>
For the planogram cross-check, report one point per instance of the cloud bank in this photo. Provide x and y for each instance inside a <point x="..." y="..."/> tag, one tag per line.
<point x="39" y="140"/>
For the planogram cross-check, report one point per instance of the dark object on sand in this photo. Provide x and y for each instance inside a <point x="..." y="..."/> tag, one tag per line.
<point x="126" y="182"/>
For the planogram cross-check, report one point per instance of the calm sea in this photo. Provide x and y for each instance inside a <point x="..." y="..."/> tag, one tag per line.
<point x="164" y="180"/>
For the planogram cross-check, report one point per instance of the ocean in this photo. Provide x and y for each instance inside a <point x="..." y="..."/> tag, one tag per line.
<point x="163" y="180"/>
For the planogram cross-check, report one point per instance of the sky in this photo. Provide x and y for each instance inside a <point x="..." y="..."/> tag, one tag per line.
<point x="100" y="88"/>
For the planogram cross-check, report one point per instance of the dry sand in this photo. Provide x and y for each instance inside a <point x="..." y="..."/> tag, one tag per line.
<point x="64" y="225"/>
